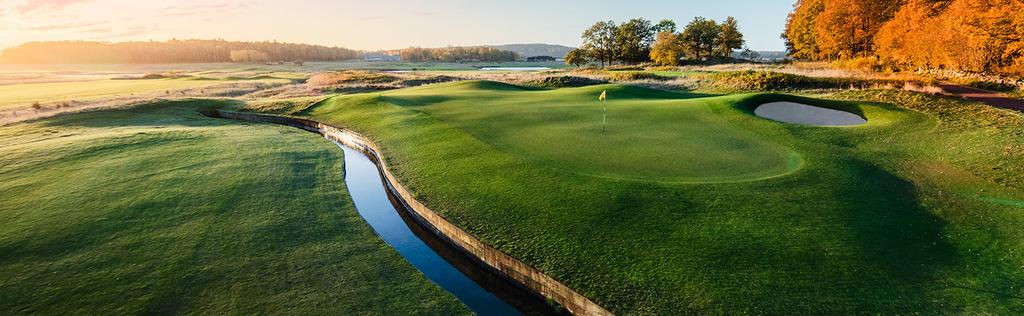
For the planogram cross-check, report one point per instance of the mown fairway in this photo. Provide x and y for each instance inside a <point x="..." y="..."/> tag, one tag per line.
<point x="695" y="204"/>
<point x="158" y="210"/>
<point x="22" y="94"/>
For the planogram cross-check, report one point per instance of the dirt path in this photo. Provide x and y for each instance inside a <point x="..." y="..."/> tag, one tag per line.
<point x="995" y="99"/>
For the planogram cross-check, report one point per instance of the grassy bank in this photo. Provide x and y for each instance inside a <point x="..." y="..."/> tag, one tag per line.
<point x="158" y="210"/>
<point x="691" y="203"/>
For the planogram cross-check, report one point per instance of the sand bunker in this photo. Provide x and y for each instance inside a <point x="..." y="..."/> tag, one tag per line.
<point x="796" y="113"/>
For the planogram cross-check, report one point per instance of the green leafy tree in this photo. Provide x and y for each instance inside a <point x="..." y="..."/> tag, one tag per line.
<point x="747" y="54"/>
<point x="599" y="41"/>
<point x="665" y="25"/>
<point x="577" y="57"/>
<point x="633" y="40"/>
<point x="698" y="38"/>
<point x="729" y="38"/>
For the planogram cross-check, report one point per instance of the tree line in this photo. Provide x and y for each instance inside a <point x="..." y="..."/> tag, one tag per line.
<point x="173" y="51"/>
<point x="968" y="35"/>
<point x="639" y="41"/>
<point x="457" y="54"/>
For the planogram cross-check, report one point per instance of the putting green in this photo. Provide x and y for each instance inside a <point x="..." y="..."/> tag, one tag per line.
<point x="866" y="225"/>
<point x="650" y="135"/>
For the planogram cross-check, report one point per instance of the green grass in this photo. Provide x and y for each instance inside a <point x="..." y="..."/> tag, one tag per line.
<point x="22" y="94"/>
<point x="563" y="129"/>
<point x="282" y="106"/>
<point x="158" y="210"/>
<point x="895" y="216"/>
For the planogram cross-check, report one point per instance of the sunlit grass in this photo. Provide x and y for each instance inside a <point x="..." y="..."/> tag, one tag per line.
<point x="871" y="222"/>
<point x="158" y="210"/>
<point x="24" y="94"/>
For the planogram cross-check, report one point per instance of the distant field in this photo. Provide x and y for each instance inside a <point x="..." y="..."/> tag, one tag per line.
<point x="21" y="94"/>
<point x="918" y="211"/>
<point x="404" y="65"/>
<point x="8" y="70"/>
<point x="158" y="210"/>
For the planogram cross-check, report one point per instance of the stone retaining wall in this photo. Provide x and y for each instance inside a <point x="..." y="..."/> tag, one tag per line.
<point x="511" y="268"/>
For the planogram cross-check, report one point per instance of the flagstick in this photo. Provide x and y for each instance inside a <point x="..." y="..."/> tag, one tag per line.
<point x="604" y="116"/>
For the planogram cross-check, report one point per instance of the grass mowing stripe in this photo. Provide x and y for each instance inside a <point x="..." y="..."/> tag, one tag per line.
<point x="157" y="209"/>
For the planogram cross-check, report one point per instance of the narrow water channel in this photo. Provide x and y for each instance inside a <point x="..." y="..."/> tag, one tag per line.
<point x="468" y="281"/>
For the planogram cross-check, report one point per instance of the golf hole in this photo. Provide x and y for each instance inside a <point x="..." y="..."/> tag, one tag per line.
<point x="796" y="113"/>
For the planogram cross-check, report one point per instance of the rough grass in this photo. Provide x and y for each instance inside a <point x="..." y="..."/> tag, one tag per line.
<point x="892" y="217"/>
<point x="563" y="82"/>
<point x="350" y="76"/>
<point x="621" y="76"/>
<point x="158" y="210"/>
<point x="282" y="106"/>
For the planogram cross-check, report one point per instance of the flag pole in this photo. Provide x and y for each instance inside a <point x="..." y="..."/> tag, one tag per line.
<point x="604" y="113"/>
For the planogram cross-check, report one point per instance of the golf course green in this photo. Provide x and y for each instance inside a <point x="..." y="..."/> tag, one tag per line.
<point x="684" y="203"/>
<point x="156" y="209"/>
<point x="692" y="203"/>
<point x="651" y="135"/>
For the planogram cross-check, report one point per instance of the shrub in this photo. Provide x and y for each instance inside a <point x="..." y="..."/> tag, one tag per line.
<point x="775" y="81"/>
<point x="767" y="80"/>
<point x="626" y="68"/>
<point x="427" y="80"/>
<point x="662" y="68"/>
<point x="634" y="75"/>
<point x="342" y="77"/>
<point x="565" y="82"/>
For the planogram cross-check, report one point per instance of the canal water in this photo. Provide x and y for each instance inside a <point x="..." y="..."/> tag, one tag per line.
<point x="471" y="283"/>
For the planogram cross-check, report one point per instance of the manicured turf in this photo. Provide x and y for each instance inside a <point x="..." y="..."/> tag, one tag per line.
<point x="651" y="135"/>
<point x="894" y="216"/>
<point x="158" y="210"/>
<point x="21" y="94"/>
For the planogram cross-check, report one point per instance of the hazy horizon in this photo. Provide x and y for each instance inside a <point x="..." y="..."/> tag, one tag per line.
<point x="364" y="26"/>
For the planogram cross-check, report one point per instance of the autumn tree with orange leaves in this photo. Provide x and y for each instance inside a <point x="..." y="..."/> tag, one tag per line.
<point x="968" y="35"/>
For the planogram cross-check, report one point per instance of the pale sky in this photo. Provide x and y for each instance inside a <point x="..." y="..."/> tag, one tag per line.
<point x="367" y="24"/>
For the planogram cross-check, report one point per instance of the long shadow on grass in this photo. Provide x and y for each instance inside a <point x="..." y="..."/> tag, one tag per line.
<point x="894" y="235"/>
<point x="860" y="242"/>
<point x="414" y="101"/>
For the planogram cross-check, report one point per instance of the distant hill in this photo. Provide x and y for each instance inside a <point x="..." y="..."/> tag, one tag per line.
<point x="530" y="50"/>
<point x="773" y="55"/>
<point x="763" y="55"/>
